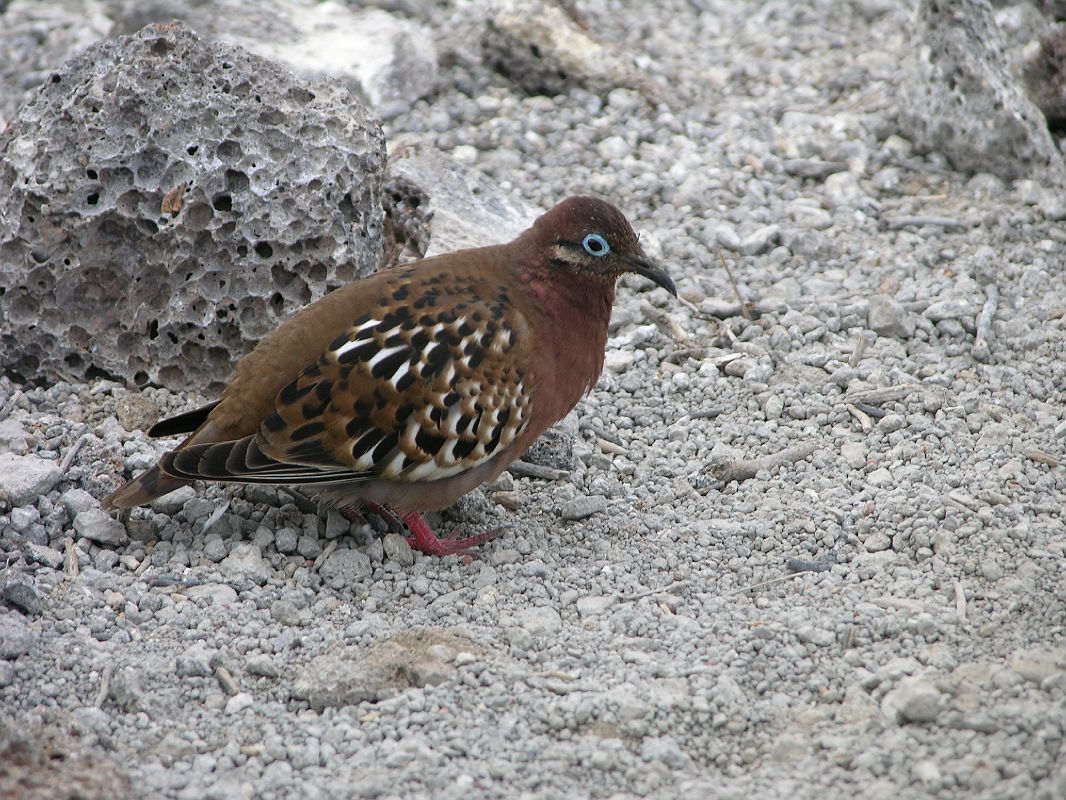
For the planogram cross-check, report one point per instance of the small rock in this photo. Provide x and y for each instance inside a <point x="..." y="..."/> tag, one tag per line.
<point x="880" y="478"/>
<point x="914" y="700"/>
<point x="891" y="422"/>
<point x="24" y="597"/>
<point x="218" y="593"/>
<point x="309" y="547"/>
<point x="286" y="612"/>
<point x="949" y="309"/>
<point x="25" y="478"/>
<point x="286" y="539"/>
<point x="96" y="525"/>
<point x="842" y="190"/>
<point x="16" y="637"/>
<point x="42" y="554"/>
<point x="594" y="605"/>
<point x="346" y="567"/>
<point x="215" y="548"/>
<point x="398" y="549"/>
<point x="263" y="666"/>
<point x="583" y="506"/>
<point x="1038" y="665"/>
<point x="77" y="500"/>
<point x="886" y="317"/>
<point x="194" y="662"/>
<point x="854" y="454"/>
<point x="337" y="525"/>
<point x="170" y="504"/>
<point x="539" y="620"/>
<point x="816" y="636"/>
<point x="246" y="561"/>
<point x="877" y="542"/>
<point x="239" y="702"/>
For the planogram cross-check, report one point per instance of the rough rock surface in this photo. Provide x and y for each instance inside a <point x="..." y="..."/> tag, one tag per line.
<point x="436" y="205"/>
<point x="387" y="61"/>
<point x="962" y="99"/>
<point x="171" y="201"/>
<point x="1045" y="76"/>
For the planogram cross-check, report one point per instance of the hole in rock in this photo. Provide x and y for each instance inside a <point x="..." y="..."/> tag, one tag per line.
<point x="264" y="250"/>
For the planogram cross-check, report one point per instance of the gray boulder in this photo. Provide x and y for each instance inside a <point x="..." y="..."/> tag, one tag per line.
<point x="171" y="202"/>
<point x="962" y="99"/>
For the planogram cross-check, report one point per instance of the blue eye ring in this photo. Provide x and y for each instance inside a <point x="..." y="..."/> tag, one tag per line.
<point x="596" y="245"/>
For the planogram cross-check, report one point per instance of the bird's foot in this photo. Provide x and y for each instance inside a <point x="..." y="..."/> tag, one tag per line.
<point x="424" y="540"/>
<point x="356" y="514"/>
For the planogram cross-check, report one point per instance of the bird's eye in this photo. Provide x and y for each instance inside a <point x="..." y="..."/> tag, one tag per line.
<point x="596" y="245"/>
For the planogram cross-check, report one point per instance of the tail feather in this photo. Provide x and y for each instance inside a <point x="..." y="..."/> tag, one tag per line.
<point x="143" y="489"/>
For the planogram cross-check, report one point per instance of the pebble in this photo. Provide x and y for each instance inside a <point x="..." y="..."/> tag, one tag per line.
<point x="217" y="593"/>
<point x="396" y="548"/>
<point x="583" y="506"/>
<point x="914" y="700"/>
<point x="24" y="478"/>
<point x="22" y="596"/>
<point x="16" y="637"/>
<point x="246" y="561"/>
<point x="98" y="526"/>
<point x="345" y="567"/>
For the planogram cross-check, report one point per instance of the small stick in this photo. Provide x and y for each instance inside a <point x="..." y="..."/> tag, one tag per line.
<point x="105" y="685"/>
<point x="981" y="350"/>
<point x="876" y="397"/>
<point x="869" y="410"/>
<point x="664" y="323"/>
<point x="9" y="406"/>
<point x="857" y="352"/>
<point x="524" y="469"/>
<point x="1040" y="457"/>
<point x="216" y="515"/>
<point x="864" y="421"/>
<point x="960" y="601"/>
<point x="745" y="308"/>
<point x="743" y="468"/>
<point x="668" y="589"/>
<point x="327" y="551"/>
<point x="72" y="559"/>
<point x="761" y="584"/>
<point x="919" y="221"/>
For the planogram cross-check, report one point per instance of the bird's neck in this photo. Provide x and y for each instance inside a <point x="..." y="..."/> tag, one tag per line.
<point x="575" y="313"/>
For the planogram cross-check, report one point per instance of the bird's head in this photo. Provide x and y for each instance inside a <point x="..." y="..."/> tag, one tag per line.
<point x="584" y="236"/>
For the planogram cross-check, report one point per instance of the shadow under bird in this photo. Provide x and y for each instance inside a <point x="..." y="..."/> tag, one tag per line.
<point x="411" y="387"/>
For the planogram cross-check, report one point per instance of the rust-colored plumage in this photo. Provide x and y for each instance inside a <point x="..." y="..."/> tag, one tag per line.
<point x="411" y="387"/>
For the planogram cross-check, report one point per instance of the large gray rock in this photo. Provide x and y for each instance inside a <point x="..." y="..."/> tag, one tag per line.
<point x="389" y="62"/>
<point x="961" y="98"/>
<point x="37" y="37"/>
<point x="541" y="47"/>
<point x="25" y="478"/>
<point x="435" y="205"/>
<point x="171" y="202"/>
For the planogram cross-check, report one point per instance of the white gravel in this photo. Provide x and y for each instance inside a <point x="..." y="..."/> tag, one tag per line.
<point x="874" y="605"/>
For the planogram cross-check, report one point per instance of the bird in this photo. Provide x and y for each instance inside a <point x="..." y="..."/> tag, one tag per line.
<point x="406" y="389"/>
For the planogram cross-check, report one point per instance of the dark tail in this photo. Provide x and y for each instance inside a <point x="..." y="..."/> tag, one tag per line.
<point x="143" y="489"/>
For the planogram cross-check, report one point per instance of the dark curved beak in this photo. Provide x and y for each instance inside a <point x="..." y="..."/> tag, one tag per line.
<point x="642" y="266"/>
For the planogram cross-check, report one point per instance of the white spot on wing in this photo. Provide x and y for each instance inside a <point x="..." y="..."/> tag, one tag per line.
<point x="382" y="354"/>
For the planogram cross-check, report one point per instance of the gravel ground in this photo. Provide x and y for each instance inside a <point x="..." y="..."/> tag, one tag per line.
<point x="817" y="554"/>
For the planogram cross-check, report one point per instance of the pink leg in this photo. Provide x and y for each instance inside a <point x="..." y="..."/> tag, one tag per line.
<point x="423" y="539"/>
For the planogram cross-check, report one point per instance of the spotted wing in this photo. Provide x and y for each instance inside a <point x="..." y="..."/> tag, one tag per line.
<point x="416" y="392"/>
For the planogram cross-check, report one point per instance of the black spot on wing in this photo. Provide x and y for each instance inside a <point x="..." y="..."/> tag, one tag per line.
<point x="384" y="447"/>
<point x="405" y="381"/>
<point x="428" y="442"/>
<point x="274" y="423"/>
<point x="463" y="448"/>
<point x="293" y="393"/>
<point x="366" y="441"/>
<point x="307" y="431"/>
<point x="388" y="365"/>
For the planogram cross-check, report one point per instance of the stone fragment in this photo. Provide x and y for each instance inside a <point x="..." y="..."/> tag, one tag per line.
<point x="583" y="506"/>
<point x="246" y="561"/>
<point x="98" y="526"/>
<point x="962" y="99"/>
<point x="24" y="478"/>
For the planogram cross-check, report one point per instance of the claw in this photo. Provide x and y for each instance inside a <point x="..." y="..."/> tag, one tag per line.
<point x="424" y="540"/>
